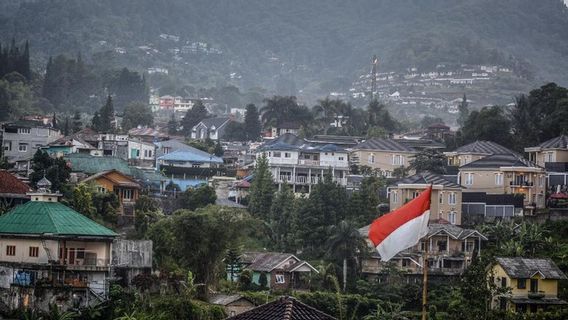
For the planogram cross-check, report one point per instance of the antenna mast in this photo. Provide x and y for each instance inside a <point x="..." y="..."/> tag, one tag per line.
<point x="374" y="67"/>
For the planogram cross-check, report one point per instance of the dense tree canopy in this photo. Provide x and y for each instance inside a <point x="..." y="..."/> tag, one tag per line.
<point x="137" y="114"/>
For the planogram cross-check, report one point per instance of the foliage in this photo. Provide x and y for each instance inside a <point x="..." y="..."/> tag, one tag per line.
<point x="282" y="221"/>
<point x="488" y="124"/>
<point x="146" y="204"/>
<point x="127" y="87"/>
<point x="193" y="116"/>
<point x="378" y="116"/>
<point x="16" y="99"/>
<point x="172" y="125"/>
<point x="429" y="160"/>
<point x="107" y="206"/>
<point x="194" y="198"/>
<point x="103" y="120"/>
<point x="279" y="110"/>
<point x="137" y="114"/>
<point x="55" y="170"/>
<point x="197" y="240"/>
<point x="83" y="200"/>
<point x="236" y="131"/>
<point x="363" y="204"/>
<point x="345" y="242"/>
<point x="206" y="145"/>
<point x="252" y="124"/>
<point x="14" y="58"/>
<point x="463" y="109"/>
<point x="263" y="281"/>
<point x="261" y="190"/>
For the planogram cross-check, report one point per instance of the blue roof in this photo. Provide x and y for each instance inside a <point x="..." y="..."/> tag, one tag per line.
<point x="292" y="142"/>
<point x="195" y="155"/>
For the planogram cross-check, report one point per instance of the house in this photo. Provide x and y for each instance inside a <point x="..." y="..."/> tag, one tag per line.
<point x="533" y="284"/>
<point x="478" y="207"/>
<point x="51" y="253"/>
<point x="301" y="164"/>
<point x="450" y="251"/>
<point x="71" y="144"/>
<point x="114" y="181"/>
<point x="553" y="156"/>
<point x="233" y="304"/>
<point x="385" y="155"/>
<point x="283" y="308"/>
<point x="131" y="258"/>
<point x="147" y="134"/>
<point x="475" y="151"/>
<point x="506" y="174"/>
<point x="12" y="190"/>
<point x="136" y="152"/>
<point x="283" y="271"/>
<point x="446" y="195"/>
<point x="212" y="128"/>
<point x="22" y="138"/>
<point x="283" y="128"/>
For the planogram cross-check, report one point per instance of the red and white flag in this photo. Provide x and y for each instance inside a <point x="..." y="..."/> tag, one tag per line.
<point x="401" y="228"/>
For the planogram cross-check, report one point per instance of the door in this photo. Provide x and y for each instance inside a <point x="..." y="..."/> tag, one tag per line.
<point x="71" y="256"/>
<point x="534" y="285"/>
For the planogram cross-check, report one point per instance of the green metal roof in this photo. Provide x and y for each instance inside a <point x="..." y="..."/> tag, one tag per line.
<point x="38" y="218"/>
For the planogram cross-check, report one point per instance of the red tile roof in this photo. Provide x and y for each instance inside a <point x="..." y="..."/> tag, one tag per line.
<point x="10" y="184"/>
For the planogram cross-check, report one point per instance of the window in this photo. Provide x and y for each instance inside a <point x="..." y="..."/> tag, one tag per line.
<point x="23" y="147"/>
<point x="442" y="245"/>
<point x="468" y="179"/>
<point x="549" y="157"/>
<point x="441" y="197"/>
<point x="80" y="253"/>
<point x="498" y="179"/>
<point x="452" y="217"/>
<point x="521" y="283"/>
<point x="340" y="158"/>
<point x="422" y="246"/>
<point x="468" y="246"/>
<point x="126" y="194"/>
<point x="371" y="158"/>
<point x="394" y="197"/>
<point x="10" y="250"/>
<point x="452" y="198"/>
<point x="101" y="189"/>
<point x="405" y="262"/>
<point x="166" y="150"/>
<point x="503" y="282"/>
<point x="34" y="251"/>
<point x="397" y="160"/>
<point x="25" y="131"/>
<point x="287" y="155"/>
<point x="280" y="278"/>
<point x="415" y="194"/>
<point x="276" y="154"/>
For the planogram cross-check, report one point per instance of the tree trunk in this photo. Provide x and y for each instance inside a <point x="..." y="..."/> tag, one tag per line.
<point x="344" y="274"/>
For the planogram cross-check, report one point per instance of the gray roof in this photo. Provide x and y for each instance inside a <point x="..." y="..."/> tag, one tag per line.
<point x="560" y="142"/>
<point x="225" y="299"/>
<point x="290" y="141"/>
<point x="264" y="261"/>
<point x="428" y="177"/>
<point x="519" y="267"/>
<point x="284" y="308"/>
<point x="383" y="145"/>
<point x="217" y="122"/>
<point x="499" y="160"/>
<point x="484" y="147"/>
<point x="452" y="230"/>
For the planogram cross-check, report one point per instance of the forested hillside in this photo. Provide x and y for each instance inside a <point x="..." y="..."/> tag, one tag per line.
<point x="268" y="42"/>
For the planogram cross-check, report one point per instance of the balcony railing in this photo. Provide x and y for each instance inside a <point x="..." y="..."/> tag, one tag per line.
<point x="307" y="180"/>
<point x="536" y="294"/>
<point x="521" y="184"/>
<point x="307" y="162"/>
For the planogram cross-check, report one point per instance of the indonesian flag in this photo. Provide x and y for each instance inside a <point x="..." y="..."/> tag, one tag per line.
<point x="401" y="228"/>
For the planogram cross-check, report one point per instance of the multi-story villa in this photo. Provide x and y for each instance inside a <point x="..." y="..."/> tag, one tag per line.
<point x="385" y="155"/>
<point x="475" y="151"/>
<point x="301" y="164"/>
<point x="553" y="156"/>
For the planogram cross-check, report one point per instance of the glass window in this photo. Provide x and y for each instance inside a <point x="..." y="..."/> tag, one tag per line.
<point x="34" y="251"/>
<point x="23" y="147"/>
<point x="280" y="278"/>
<point x="10" y="250"/>
<point x="287" y="155"/>
<point x="25" y="130"/>
<point x="498" y="179"/>
<point x="452" y="217"/>
<point x="452" y="198"/>
<point x="371" y="158"/>
<point x="468" y="179"/>
<point x="521" y="283"/>
<point x="276" y="154"/>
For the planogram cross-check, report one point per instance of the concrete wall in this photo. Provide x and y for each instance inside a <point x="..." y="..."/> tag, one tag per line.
<point x="132" y="253"/>
<point x="437" y="210"/>
<point x="383" y="160"/>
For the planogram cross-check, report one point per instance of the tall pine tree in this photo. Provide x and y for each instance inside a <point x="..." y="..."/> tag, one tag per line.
<point x="252" y="123"/>
<point x="261" y="190"/>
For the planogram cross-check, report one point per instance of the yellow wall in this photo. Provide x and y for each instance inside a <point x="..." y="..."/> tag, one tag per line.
<point x="437" y="210"/>
<point x="383" y="159"/>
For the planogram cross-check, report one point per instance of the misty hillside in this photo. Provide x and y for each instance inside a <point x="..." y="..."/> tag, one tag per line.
<point x="301" y="40"/>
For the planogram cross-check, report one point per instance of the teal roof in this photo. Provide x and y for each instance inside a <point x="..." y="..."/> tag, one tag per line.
<point x="38" y="218"/>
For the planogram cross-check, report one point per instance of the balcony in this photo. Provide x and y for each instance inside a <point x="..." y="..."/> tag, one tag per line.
<point x="521" y="184"/>
<point x="307" y="162"/>
<point x="306" y="180"/>
<point x="536" y="294"/>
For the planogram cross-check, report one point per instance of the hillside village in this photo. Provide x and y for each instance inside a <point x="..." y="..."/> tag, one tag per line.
<point x="85" y="214"/>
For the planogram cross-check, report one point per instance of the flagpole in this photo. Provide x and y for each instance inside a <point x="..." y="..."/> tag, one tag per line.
<point x="425" y="271"/>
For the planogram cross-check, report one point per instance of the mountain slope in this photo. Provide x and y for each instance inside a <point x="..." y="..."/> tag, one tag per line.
<point x="312" y="40"/>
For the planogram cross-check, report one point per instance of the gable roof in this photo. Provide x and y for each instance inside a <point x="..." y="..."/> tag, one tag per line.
<point x="519" y="267"/>
<point x="216" y="121"/>
<point x="268" y="261"/>
<point x="484" y="147"/>
<point x="50" y="218"/>
<point x="498" y="161"/>
<point x="9" y="184"/>
<point x="560" y="142"/>
<point x="106" y="174"/>
<point x="194" y="155"/>
<point x="456" y="232"/>
<point x="428" y="177"/>
<point x="225" y="299"/>
<point x="284" y="308"/>
<point x="383" y="145"/>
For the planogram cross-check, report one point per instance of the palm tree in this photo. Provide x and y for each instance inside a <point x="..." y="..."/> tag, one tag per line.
<point x="324" y="113"/>
<point x="345" y="241"/>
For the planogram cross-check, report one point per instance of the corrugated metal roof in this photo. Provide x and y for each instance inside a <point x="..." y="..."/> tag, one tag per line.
<point x="39" y="218"/>
<point x="290" y="141"/>
<point x="383" y="145"/>
<point x="519" y="267"/>
<point x="484" y="147"/>
<point x="284" y="308"/>
<point x="264" y="261"/>
<point x="191" y="155"/>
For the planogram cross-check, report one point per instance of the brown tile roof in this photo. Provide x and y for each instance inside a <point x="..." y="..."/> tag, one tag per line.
<point x="284" y="308"/>
<point x="10" y="184"/>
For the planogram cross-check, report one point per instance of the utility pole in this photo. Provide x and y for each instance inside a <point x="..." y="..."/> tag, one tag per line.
<point x="374" y="67"/>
